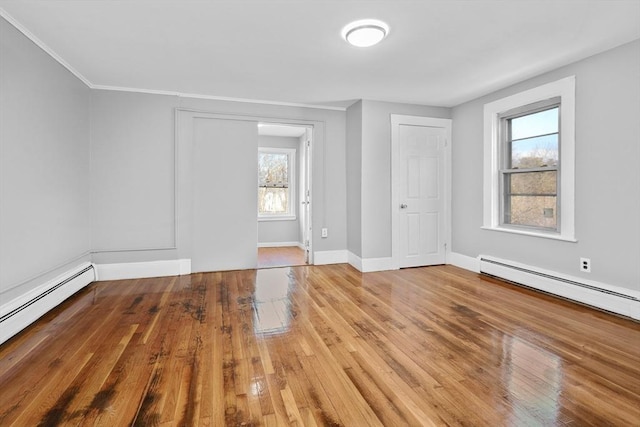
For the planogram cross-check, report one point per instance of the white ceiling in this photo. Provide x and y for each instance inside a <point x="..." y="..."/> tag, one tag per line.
<point x="438" y="52"/>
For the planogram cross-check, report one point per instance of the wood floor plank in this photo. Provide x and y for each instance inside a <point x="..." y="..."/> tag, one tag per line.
<point x="98" y="372"/>
<point x="286" y="256"/>
<point x="318" y="346"/>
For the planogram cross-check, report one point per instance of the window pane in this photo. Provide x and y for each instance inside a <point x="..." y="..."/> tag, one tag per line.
<point x="531" y="199"/>
<point x="532" y="183"/>
<point x="273" y="169"/>
<point x="534" y="211"/>
<point x="535" y="152"/>
<point x="273" y="200"/>
<point x="536" y="124"/>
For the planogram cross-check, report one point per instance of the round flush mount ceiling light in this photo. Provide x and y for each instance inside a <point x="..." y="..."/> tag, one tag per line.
<point x="365" y="33"/>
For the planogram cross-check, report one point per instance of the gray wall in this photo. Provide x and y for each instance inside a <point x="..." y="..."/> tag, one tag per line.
<point x="354" y="178"/>
<point x="224" y="193"/>
<point x="282" y="231"/>
<point x="44" y="166"/>
<point x="138" y="129"/>
<point x="607" y="175"/>
<point x="132" y="171"/>
<point x="375" y="226"/>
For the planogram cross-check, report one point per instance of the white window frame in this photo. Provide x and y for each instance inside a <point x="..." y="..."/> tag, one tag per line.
<point x="506" y="168"/>
<point x="292" y="214"/>
<point x="493" y="112"/>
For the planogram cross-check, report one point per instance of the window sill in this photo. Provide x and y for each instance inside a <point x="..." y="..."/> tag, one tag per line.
<point x="531" y="233"/>
<point x="277" y="218"/>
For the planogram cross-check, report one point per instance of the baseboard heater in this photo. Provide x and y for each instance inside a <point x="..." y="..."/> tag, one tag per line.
<point x="26" y="309"/>
<point x="615" y="299"/>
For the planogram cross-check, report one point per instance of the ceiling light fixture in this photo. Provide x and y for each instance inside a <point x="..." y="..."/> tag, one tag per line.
<point x="365" y="33"/>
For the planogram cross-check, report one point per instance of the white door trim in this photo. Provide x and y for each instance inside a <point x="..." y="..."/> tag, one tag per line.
<point x="308" y="171"/>
<point x="396" y="121"/>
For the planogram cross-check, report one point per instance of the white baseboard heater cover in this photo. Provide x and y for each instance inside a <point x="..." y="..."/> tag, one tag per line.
<point x="26" y="309"/>
<point x="618" y="300"/>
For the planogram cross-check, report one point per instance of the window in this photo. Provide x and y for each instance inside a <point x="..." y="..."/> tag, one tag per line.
<point x="529" y="162"/>
<point x="529" y="174"/>
<point x="276" y="183"/>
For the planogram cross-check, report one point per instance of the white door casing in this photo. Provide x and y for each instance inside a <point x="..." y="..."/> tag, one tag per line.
<point x="305" y="193"/>
<point x="307" y="237"/>
<point x="420" y="183"/>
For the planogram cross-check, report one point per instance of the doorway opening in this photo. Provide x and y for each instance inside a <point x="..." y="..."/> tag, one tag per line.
<point x="284" y="194"/>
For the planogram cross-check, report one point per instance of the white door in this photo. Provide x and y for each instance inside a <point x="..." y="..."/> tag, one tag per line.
<point x="225" y="194"/>
<point x="419" y="192"/>
<point x="306" y="204"/>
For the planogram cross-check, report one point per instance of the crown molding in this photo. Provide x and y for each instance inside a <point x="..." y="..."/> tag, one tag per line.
<point x="260" y="101"/>
<point x="215" y="98"/>
<point x="135" y="90"/>
<point x="28" y="34"/>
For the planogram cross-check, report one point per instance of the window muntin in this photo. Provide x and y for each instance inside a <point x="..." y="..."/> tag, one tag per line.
<point x="275" y="183"/>
<point x="530" y="140"/>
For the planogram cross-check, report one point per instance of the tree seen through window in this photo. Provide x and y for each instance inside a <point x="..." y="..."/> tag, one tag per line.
<point x="273" y="183"/>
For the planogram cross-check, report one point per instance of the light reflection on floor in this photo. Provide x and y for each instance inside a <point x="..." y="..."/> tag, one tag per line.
<point x="533" y="378"/>
<point x="271" y="302"/>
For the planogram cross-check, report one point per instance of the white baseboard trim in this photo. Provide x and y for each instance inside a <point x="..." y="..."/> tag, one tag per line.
<point x="464" y="261"/>
<point x="607" y="297"/>
<point x="20" y="312"/>
<point x="139" y="270"/>
<point x="185" y="267"/>
<point x="278" y="244"/>
<point x="368" y="265"/>
<point x="378" y="264"/>
<point x="330" y="257"/>
<point x="354" y="260"/>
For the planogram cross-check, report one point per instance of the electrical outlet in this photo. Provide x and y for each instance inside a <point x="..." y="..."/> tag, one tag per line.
<point x="585" y="265"/>
<point x="325" y="232"/>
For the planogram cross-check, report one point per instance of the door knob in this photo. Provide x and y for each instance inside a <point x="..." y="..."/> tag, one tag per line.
<point x="403" y="206"/>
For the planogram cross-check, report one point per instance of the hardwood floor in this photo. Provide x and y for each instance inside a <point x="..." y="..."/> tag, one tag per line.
<point x="321" y="345"/>
<point x="288" y="256"/>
